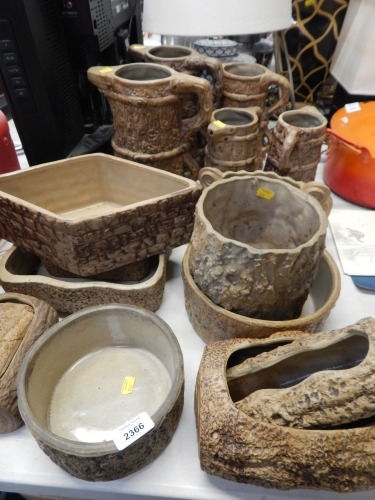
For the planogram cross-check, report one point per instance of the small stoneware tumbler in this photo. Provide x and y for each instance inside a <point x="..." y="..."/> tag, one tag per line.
<point x="233" y="139"/>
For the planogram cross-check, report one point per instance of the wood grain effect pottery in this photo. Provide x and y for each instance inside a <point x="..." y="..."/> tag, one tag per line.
<point x="247" y="84"/>
<point x="233" y="139"/>
<point x="148" y="113"/>
<point x="23" y="272"/>
<point x="95" y="213"/>
<point x="185" y="60"/>
<point x="23" y="320"/>
<point x="256" y="244"/>
<point x="238" y="447"/>
<point x="98" y="338"/>
<point x="212" y="322"/>
<point x="316" y="382"/>
<point x="295" y="143"/>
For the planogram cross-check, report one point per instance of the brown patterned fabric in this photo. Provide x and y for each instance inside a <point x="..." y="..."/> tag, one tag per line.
<point x="311" y="42"/>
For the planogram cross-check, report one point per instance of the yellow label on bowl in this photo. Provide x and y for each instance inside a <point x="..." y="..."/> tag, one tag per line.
<point x="127" y="385"/>
<point x="265" y="193"/>
<point x="105" y="70"/>
<point x="219" y="124"/>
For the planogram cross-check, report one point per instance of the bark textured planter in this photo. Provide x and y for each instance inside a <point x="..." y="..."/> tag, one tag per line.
<point x="95" y="372"/>
<point x="23" y="319"/>
<point x="95" y="213"/>
<point x="256" y="244"/>
<point x="240" y="448"/>
<point x="23" y="272"/>
<point x="212" y="322"/>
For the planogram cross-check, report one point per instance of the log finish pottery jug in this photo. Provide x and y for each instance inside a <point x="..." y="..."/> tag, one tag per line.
<point x="147" y="113"/>
<point x="184" y="60"/>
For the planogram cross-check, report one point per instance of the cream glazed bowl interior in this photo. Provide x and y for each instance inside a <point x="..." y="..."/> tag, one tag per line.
<point x="94" y="378"/>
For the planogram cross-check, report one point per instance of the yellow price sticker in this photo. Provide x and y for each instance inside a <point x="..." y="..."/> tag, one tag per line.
<point x="265" y="193"/>
<point x="128" y="385"/>
<point x="138" y="47"/>
<point x="105" y="70"/>
<point x="219" y="124"/>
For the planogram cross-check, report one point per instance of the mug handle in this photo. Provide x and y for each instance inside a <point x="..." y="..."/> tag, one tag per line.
<point x="186" y="84"/>
<point x="320" y="192"/>
<point x="274" y="78"/>
<point x="288" y="145"/>
<point x="213" y="67"/>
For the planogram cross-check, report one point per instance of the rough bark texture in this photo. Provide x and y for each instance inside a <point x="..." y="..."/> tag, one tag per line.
<point x="248" y="85"/>
<point x="99" y="244"/>
<point x="295" y="143"/>
<point x="234" y="446"/>
<point x="118" y="464"/>
<point x="337" y="387"/>
<point x="19" y="274"/>
<point x="242" y="259"/>
<point x="212" y="322"/>
<point x="43" y="316"/>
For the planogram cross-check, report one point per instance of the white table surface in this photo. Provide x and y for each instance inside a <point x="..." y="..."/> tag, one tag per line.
<point x="176" y="473"/>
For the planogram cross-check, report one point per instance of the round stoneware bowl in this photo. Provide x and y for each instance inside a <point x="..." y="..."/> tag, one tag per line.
<point x="102" y="391"/>
<point x="256" y="244"/>
<point x="212" y="322"/>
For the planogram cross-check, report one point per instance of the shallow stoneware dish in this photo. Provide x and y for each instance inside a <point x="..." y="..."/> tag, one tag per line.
<point x="242" y="448"/>
<point x="22" y="272"/>
<point x="23" y="319"/>
<point x="212" y="322"/>
<point x="95" y="213"/>
<point x="102" y="391"/>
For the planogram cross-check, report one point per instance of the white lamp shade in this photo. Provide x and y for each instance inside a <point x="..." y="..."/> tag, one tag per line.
<point x="215" y="17"/>
<point x="353" y="63"/>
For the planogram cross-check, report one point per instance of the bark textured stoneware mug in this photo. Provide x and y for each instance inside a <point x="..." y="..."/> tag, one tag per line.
<point x="295" y="143"/>
<point x="248" y="84"/>
<point x="234" y="139"/>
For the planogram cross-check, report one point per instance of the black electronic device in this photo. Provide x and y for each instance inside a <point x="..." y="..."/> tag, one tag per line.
<point x="46" y="47"/>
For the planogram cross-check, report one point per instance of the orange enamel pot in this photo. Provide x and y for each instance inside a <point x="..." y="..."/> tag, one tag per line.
<point x="350" y="166"/>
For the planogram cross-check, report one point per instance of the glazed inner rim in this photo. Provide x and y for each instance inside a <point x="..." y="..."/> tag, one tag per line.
<point x="84" y="188"/>
<point x="302" y="120"/>
<point x="245" y="69"/>
<point x="170" y="52"/>
<point x="103" y="390"/>
<point x="261" y="213"/>
<point x="142" y="72"/>
<point x="342" y="355"/>
<point x="234" y="117"/>
<point x="82" y="335"/>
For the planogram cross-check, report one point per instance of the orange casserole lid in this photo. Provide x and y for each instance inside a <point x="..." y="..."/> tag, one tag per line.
<point x="355" y="122"/>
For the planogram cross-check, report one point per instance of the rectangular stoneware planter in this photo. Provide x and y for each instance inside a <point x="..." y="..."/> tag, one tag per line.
<point x="94" y="213"/>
